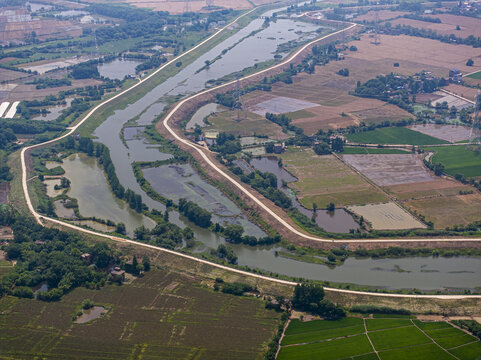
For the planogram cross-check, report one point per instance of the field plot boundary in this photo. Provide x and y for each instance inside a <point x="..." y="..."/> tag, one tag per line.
<point x="401" y="338"/>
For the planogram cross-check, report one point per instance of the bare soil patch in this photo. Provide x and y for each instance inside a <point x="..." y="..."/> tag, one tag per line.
<point x="451" y="133"/>
<point x="390" y="169"/>
<point x="434" y="188"/>
<point x="469" y="26"/>
<point x="435" y="56"/>
<point x="449" y="211"/>
<point x="463" y="91"/>
<point x="387" y="216"/>
<point x="29" y="92"/>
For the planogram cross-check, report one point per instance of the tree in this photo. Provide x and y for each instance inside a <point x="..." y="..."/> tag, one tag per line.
<point x="470" y="62"/>
<point x="314" y="207"/>
<point x="331" y="207"/>
<point x="234" y="233"/>
<point x="120" y="228"/>
<point x="146" y="263"/>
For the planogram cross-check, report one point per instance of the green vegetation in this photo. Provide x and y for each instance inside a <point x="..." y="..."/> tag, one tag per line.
<point x="323" y="339"/>
<point x="476" y="75"/>
<point x="143" y="316"/>
<point x="310" y="297"/>
<point x="458" y="160"/>
<point x="51" y="256"/>
<point x="318" y="330"/>
<point x="366" y="150"/>
<point x="380" y="324"/>
<point x="330" y="350"/>
<point x="394" y="135"/>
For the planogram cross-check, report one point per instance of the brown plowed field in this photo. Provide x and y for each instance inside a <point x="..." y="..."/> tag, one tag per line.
<point x="449" y="211"/>
<point x="434" y="188"/>
<point x="469" y="26"/>
<point x="464" y="91"/>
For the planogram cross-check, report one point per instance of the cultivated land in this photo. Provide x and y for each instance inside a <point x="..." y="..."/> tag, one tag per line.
<point x="379" y="338"/>
<point x="468" y="25"/>
<point x="448" y="210"/>
<point x="178" y="6"/>
<point x="387" y="216"/>
<point x="163" y="315"/>
<point x="451" y="133"/>
<point x="390" y="169"/>
<point x="458" y="160"/>
<point x="250" y="125"/>
<point x="325" y="179"/>
<point x="393" y="135"/>
<point x="335" y="107"/>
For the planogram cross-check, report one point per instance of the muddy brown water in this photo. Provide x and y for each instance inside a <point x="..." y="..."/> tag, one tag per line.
<point x="339" y="221"/>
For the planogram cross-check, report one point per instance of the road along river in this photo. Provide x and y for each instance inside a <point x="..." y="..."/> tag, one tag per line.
<point x="317" y="274"/>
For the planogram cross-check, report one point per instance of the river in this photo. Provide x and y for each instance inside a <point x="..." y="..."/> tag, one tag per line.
<point x="449" y="272"/>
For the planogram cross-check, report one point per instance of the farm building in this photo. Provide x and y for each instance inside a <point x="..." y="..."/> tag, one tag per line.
<point x="455" y="75"/>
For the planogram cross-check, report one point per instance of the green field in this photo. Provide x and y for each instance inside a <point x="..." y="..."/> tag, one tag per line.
<point x="364" y="150"/>
<point x="458" y="160"/>
<point x="476" y="75"/>
<point x="162" y="315"/>
<point x="392" y="338"/>
<point x="325" y="179"/>
<point x="394" y="135"/>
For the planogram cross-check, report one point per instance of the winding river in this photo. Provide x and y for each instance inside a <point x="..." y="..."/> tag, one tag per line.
<point x="247" y="50"/>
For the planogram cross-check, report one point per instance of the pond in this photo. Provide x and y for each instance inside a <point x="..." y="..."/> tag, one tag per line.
<point x="89" y="186"/>
<point x="181" y="181"/>
<point x="91" y="314"/>
<point x="333" y="221"/>
<point x="54" y="111"/>
<point x="118" y="68"/>
<point x="199" y="116"/>
<point x="50" y="185"/>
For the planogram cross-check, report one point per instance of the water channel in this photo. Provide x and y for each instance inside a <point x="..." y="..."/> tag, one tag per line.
<point x="447" y="272"/>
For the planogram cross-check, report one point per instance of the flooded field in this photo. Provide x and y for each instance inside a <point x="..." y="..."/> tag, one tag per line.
<point x="332" y="221"/>
<point x="50" y="185"/>
<point x="54" y="111"/>
<point x="198" y="117"/>
<point x="181" y="181"/>
<point x="118" y="69"/>
<point x="89" y="186"/>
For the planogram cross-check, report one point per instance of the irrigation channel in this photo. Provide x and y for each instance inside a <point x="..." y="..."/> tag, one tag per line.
<point x="417" y="272"/>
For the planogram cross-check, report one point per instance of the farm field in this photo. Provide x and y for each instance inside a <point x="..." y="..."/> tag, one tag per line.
<point x="177" y="7"/>
<point x="162" y="315"/>
<point x="250" y="125"/>
<point x="324" y="179"/>
<point x="390" y="169"/>
<point x="436" y="187"/>
<point x="451" y="133"/>
<point x="392" y="338"/>
<point x="393" y="135"/>
<point x="365" y="150"/>
<point x="463" y="91"/>
<point x="458" y="160"/>
<point x="476" y="75"/>
<point x="437" y="56"/>
<point x="387" y="216"/>
<point x="448" y="210"/>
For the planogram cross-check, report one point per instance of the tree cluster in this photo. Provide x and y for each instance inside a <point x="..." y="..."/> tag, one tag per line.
<point x="51" y="256"/>
<point x="310" y="297"/>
